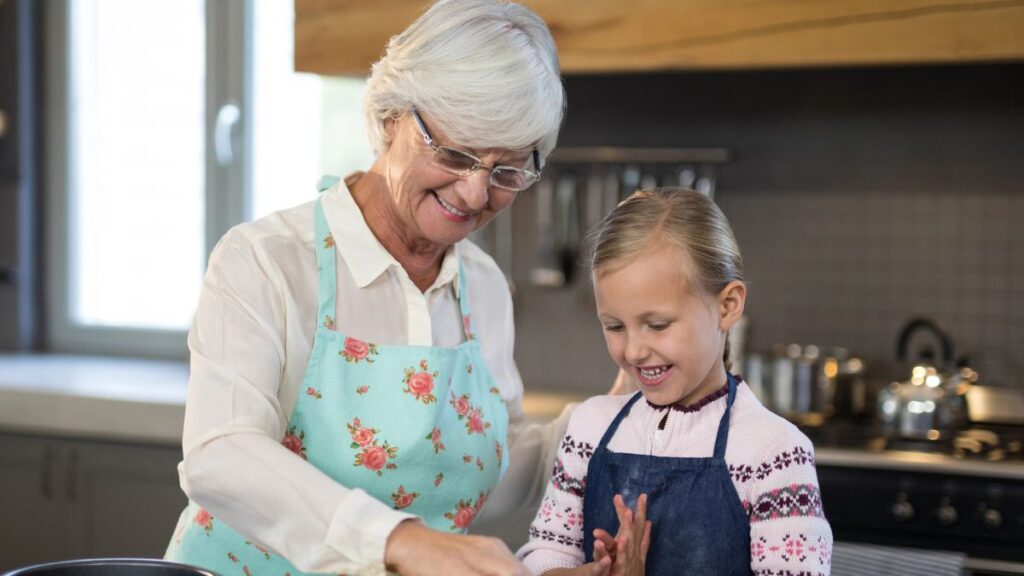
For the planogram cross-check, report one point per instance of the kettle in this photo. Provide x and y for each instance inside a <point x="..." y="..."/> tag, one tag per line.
<point x="931" y="404"/>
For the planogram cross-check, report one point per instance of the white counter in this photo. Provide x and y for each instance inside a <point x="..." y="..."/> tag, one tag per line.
<point x="93" y="397"/>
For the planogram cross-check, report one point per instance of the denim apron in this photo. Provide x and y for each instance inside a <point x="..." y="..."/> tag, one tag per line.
<point x="698" y="524"/>
<point x="421" y="428"/>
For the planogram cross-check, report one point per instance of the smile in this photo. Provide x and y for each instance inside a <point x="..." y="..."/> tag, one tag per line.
<point x="652" y="375"/>
<point x="451" y="211"/>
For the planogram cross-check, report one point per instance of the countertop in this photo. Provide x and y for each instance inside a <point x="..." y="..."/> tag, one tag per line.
<point x="143" y="401"/>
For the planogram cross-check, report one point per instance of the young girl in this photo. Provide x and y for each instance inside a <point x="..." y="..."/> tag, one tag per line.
<point x="731" y="486"/>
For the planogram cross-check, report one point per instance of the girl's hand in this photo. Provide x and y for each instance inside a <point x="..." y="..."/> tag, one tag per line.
<point x="632" y="540"/>
<point x="415" y="550"/>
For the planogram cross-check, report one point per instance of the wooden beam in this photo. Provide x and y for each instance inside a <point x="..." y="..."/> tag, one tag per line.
<point x="346" y="36"/>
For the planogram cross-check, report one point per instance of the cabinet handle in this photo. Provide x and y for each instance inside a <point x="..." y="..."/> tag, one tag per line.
<point x="46" y="473"/>
<point x="72" y="475"/>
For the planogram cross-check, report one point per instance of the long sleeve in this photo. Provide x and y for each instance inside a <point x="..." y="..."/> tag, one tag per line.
<point x="234" y="464"/>
<point x="788" y="530"/>
<point x="556" y="534"/>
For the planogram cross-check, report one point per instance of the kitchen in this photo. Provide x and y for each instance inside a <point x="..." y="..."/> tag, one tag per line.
<point x="865" y="191"/>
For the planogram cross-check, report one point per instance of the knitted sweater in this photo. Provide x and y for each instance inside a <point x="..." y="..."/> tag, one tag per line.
<point x="771" y="463"/>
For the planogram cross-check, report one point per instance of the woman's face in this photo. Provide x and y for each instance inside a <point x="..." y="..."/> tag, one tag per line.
<point x="432" y="204"/>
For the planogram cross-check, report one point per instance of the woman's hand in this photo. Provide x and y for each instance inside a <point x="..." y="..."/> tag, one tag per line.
<point x="415" y="550"/>
<point x="626" y="554"/>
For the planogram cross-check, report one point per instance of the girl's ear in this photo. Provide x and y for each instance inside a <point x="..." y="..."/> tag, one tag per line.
<point x="731" y="301"/>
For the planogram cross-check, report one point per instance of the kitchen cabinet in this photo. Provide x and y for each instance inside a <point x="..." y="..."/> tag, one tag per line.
<point x="69" y="498"/>
<point x="614" y="36"/>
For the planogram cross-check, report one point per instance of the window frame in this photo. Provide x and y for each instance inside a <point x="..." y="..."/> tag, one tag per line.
<point x="229" y="49"/>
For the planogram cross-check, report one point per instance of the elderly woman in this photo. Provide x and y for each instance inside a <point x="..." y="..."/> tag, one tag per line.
<point x="353" y="399"/>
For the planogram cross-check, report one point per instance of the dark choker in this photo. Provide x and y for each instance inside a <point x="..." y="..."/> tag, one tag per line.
<point x="720" y="393"/>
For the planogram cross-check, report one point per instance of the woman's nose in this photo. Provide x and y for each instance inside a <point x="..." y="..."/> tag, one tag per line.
<point x="475" y="189"/>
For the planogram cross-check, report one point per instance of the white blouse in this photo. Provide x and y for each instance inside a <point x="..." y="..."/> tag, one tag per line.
<point x="250" y="342"/>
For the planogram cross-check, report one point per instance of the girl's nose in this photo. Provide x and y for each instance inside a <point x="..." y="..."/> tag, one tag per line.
<point x="636" y="350"/>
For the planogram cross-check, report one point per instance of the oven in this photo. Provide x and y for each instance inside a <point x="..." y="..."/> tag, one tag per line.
<point x="927" y="501"/>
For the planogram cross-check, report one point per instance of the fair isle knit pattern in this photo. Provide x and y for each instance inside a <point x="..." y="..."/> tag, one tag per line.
<point x="770" y="461"/>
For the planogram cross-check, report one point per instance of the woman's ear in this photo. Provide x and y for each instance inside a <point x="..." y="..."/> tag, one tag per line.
<point x="731" y="301"/>
<point x="390" y="129"/>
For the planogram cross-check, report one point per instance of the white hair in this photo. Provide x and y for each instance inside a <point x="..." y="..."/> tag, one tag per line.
<point x="486" y="71"/>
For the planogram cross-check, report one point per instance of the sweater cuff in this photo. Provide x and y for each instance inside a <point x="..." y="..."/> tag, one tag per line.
<point x="540" y="561"/>
<point x="360" y="528"/>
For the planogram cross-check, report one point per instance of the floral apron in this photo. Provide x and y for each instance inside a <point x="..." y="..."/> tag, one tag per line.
<point x="422" y="428"/>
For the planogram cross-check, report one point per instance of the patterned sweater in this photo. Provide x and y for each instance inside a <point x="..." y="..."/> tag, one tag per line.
<point x="771" y="463"/>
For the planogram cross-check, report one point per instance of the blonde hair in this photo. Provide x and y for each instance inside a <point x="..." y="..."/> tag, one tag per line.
<point x="487" y="71"/>
<point x="684" y="218"/>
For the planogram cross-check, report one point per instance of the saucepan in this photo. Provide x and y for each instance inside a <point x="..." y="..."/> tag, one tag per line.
<point x="112" y="567"/>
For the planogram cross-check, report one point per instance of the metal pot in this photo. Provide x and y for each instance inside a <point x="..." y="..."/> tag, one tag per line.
<point x="112" y="567"/>
<point x="931" y="403"/>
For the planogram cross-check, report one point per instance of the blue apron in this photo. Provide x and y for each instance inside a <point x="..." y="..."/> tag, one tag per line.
<point x="420" y="428"/>
<point x="698" y="524"/>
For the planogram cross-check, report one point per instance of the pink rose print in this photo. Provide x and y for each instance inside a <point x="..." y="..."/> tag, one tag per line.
<point x="232" y="557"/>
<point x="420" y="383"/>
<point x="328" y="322"/>
<point x="245" y="570"/>
<point x="403" y="499"/>
<point x="438" y="479"/>
<point x="469" y="368"/>
<point x="329" y="241"/>
<point x="465" y="325"/>
<point x="204" y="519"/>
<point x="463" y="515"/>
<point x="475" y="423"/>
<point x="362" y="390"/>
<point x="467" y="458"/>
<point x="435" y="439"/>
<point x="373" y="457"/>
<point x="264" y="551"/>
<point x="363" y="437"/>
<point x="295" y="442"/>
<point x="499" y="450"/>
<point x="479" y="463"/>
<point x="461" y="405"/>
<point x="310" y="391"/>
<point x="356" y="350"/>
<point x="494" y="390"/>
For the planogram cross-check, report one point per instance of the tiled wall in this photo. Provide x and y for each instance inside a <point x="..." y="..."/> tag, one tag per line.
<point x="859" y="197"/>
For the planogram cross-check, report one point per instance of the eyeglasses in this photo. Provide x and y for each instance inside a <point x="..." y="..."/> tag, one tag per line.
<point x="463" y="163"/>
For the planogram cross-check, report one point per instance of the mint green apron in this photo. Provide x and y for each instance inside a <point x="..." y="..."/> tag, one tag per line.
<point x="422" y="428"/>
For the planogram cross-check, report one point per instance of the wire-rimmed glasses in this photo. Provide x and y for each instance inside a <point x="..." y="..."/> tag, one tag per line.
<point x="463" y="163"/>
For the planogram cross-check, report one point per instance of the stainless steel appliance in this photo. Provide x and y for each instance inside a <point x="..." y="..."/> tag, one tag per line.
<point x="966" y="494"/>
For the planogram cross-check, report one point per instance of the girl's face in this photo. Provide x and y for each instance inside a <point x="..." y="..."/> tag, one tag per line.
<point x="663" y="329"/>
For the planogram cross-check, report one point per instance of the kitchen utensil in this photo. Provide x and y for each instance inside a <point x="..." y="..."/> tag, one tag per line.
<point x="112" y="567"/>
<point x="931" y="404"/>
<point x="568" y="226"/>
<point x="843" y="387"/>
<point x="547" y="271"/>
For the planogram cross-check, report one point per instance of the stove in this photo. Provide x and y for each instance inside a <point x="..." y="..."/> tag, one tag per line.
<point x="965" y="494"/>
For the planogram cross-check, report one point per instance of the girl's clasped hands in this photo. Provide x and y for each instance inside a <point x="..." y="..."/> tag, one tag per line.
<point x="625" y="554"/>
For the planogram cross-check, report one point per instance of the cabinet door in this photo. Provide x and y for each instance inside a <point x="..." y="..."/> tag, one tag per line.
<point x="34" y="527"/>
<point x="126" y="498"/>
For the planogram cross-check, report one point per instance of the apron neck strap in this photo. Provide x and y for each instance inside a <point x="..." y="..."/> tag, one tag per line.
<point x="325" y="259"/>
<point x="464" y="309"/>
<point x="722" y="438"/>
<point x="618" y="419"/>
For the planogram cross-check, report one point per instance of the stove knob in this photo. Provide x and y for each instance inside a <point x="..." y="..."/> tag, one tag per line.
<point x="992" y="519"/>
<point x="902" y="510"/>
<point x="946" y="514"/>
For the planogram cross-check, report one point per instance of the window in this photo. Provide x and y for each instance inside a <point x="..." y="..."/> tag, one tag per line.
<point x="180" y="118"/>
